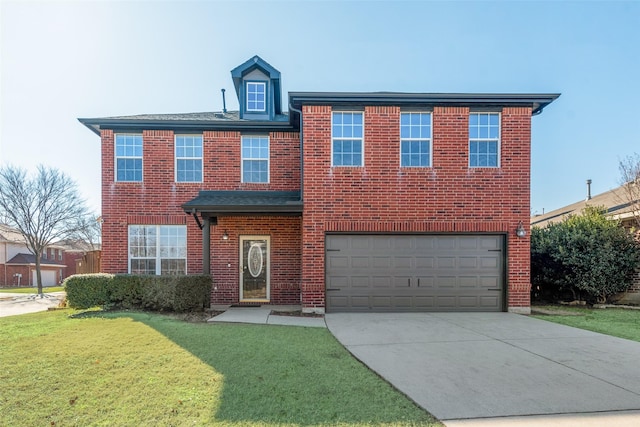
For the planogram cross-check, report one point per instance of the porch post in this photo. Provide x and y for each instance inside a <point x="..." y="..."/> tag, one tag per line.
<point x="206" y="245"/>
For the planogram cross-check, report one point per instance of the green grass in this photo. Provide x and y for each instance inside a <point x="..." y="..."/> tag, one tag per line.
<point x="128" y="368"/>
<point x="618" y="322"/>
<point x="31" y="290"/>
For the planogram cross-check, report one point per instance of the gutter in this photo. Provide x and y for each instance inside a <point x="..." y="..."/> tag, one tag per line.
<point x="291" y="108"/>
<point x="95" y="125"/>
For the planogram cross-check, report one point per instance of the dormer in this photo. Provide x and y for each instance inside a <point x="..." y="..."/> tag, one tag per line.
<point x="258" y="88"/>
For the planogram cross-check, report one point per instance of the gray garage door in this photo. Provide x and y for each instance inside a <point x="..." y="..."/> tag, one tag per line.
<point x="414" y="273"/>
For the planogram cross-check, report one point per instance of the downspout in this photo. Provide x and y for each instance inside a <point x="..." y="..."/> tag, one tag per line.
<point x="301" y="153"/>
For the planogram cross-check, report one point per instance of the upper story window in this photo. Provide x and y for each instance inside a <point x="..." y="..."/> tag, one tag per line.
<point x="484" y="140"/>
<point x="347" y="131"/>
<point x="255" y="159"/>
<point x="188" y="158"/>
<point x="59" y="254"/>
<point x="128" y="157"/>
<point x="415" y="139"/>
<point x="157" y="249"/>
<point x="45" y="253"/>
<point x="256" y="96"/>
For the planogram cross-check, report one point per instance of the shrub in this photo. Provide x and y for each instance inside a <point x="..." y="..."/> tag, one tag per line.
<point x="158" y="293"/>
<point x="87" y="290"/>
<point x="586" y="255"/>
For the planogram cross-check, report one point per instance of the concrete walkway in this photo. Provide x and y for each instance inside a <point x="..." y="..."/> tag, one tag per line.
<point x="12" y="304"/>
<point x="262" y="315"/>
<point x="498" y="369"/>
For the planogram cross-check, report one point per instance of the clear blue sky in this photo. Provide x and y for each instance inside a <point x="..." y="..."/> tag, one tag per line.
<point x="64" y="60"/>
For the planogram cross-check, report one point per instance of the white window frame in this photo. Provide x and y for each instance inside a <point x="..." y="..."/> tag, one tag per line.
<point x="116" y="157"/>
<point x="176" y="158"/>
<point x="242" y="159"/>
<point x="59" y="254"/>
<point x="419" y="139"/>
<point x="158" y="247"/>
<point x="343" y="138"/>
<point x="257" y="84"/>
<point x="498" y="140"/>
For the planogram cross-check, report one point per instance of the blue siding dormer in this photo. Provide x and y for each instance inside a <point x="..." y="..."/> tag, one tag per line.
<point x="258" y="88"/>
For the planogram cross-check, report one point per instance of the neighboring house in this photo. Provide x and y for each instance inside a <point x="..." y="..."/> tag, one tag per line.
<point x="347" y="202"/>
<point x="18" y="265"/>
<point x="616" y="202"/>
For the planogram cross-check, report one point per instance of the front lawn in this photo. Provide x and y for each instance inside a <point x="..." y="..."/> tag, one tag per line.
<point x="129" y="368"/>
<point x="31" y="290"/>
<point x="623" y="323"/>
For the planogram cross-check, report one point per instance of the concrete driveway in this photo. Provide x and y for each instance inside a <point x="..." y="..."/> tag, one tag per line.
<point x="481" y="365"/>
<point x="14" y="304"/>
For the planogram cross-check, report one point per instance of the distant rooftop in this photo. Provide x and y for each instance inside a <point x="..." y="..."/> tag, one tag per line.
<point x="615" y="202"/>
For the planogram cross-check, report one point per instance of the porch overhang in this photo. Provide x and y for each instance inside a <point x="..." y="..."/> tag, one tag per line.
<point x="213" y="204"/>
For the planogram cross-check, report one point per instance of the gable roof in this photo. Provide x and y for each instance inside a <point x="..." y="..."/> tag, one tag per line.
<point x="614" y="201"/>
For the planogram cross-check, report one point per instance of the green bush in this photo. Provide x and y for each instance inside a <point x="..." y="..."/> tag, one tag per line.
<point x="87" y="290"/>
<point x="158" y="293"/>
<point x="586" y="256"/>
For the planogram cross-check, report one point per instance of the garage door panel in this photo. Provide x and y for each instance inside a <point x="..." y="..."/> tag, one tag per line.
<point x="415" y="273"/>
<point x="446" y="262"/>
<point x="424" y="302"/>
<point x="426" y="282"/>
<point x="402" y="262"/>
<point x="400" y="282"/>
<point x="381" y="243"/>
<point x="488" y="302"/>
<point x="360" y="281"/>
<point x="336" y="261"/>
<point x="381" y="262"/>
<point x="424" y="262"/>
<point x="468" y="262"/>
<point x="445" y="282"/>
<point x="489" y="262"/>
<point x="360" y="262"/>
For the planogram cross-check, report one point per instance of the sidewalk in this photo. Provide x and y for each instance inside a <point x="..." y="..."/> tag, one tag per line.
<point x="12" y="304"/>
<point x="262" y="315"/>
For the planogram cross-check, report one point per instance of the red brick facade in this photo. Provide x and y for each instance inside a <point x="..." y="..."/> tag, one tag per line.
<point x="449" y="197"/>
<point x="157" y="201"/>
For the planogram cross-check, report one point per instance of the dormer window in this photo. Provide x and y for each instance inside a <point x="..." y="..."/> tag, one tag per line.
<point x="257" y="85"/>
<point x="256" y="96"/>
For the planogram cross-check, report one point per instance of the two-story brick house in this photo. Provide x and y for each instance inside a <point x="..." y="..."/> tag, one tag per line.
<point x="347" y="202"/>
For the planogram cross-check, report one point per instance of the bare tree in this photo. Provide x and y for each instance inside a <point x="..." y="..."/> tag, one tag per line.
<point x="629" y="191"/>
<point x="89" y="230"/>
<point x="44" y="207"/>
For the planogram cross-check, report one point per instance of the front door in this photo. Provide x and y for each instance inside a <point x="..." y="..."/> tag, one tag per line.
<point x="254" y="268"/>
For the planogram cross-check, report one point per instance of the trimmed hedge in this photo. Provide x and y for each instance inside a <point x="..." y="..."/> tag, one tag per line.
<point x="87" y="290"/>
<point x="158" y="293"/>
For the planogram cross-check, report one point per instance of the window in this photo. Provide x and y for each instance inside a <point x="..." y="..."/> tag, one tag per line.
<point x="128" y="157"/>
<point x="188" y="158"/>
<point x="346" y="139"/>
<point x="256" y="96"/>
<point x="484" y="140"/>
<point x="59" y="254"/>
<point x="255" y="159"/>
<point x="415" y="139"/>
<point x="45" y="253"/>
<point x="157" y="249"/>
